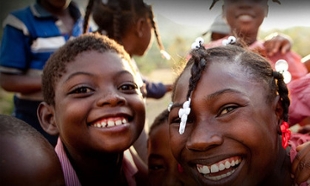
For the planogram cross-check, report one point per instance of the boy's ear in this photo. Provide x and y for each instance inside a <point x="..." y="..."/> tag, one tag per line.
<point x="46" y="117"/>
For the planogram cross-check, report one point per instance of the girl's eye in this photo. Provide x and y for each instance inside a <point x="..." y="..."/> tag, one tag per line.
<point x="227" y="110"/>
<point x="81" y="90"/>
<point x="155" y="167"/>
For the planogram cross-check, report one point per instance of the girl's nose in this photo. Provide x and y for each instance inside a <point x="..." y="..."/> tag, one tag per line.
<point x="203" y="137"/>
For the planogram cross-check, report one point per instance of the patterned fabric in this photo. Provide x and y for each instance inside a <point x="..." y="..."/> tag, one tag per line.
<point x="72" y="179"/>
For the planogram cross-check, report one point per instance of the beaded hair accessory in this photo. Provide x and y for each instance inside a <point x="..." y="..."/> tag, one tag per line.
<point x="229" y="40"/>
<point x="281" y="66"/>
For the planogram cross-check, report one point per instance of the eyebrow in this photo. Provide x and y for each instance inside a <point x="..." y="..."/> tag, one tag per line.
<point x="92" y="75"/>
<point x="212" y="96"/>
<point x="221" y="92"/>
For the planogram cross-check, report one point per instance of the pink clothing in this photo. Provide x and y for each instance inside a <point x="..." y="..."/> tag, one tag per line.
<point x="299" y="93"/>
<point x="72" y="179"/>
<point x="297" y="139"/>
<point x="295" y="66"/>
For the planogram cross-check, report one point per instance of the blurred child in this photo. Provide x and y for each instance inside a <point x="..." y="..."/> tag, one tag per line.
<point x="130" y="23"/>
<point x="228" y="120"/>
<point x="26" y="157"/>
<point x="92" y="99"/>
<point x="218" y="29"/>
<point x="244" y="18"/>
<point x="30" y="36"/>
<point x="163" y="168"/>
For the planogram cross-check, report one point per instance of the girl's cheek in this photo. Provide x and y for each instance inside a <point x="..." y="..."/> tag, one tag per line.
<point x="177" y="143"/>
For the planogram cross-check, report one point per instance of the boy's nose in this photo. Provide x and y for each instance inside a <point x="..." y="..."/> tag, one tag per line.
<point x="111" y="98"/>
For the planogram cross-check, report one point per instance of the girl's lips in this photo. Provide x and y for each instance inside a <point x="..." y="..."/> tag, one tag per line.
<point x="219" y="170"/>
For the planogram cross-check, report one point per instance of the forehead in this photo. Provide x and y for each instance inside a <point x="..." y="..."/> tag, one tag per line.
<point x="220" y="74"/>
<point x="102" y="62"/>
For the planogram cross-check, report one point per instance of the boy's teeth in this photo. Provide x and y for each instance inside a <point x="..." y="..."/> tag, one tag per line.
<point x="110" y="123"/>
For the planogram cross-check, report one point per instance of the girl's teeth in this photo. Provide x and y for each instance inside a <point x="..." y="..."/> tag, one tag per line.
<point x="214" y="168"/>
<point x="110" y="123"/>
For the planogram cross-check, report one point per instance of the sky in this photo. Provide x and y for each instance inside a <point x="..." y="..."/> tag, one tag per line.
<point x="196" y="13"/>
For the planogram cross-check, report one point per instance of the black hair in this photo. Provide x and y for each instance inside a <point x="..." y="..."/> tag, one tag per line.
<point x="115" y="17"/>
<point x="258" y="66"/>
<point x="214" y="1"/>
<point x="160" y="119"/>
<point x="56" y="65"/>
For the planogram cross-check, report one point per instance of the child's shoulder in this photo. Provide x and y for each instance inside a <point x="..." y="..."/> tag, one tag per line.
<point x="134" y="168"/>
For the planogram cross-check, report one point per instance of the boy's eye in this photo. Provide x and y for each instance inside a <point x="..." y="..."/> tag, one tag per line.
<point x="81" y="90"/>
<point x="128" y="87"/>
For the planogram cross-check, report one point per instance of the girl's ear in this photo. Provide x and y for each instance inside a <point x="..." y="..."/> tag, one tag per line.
<point x="278" y="109"/>
<point x="223" y="12"/>
<point x="46" y="117"/>
<point x="266" y="10"/>
<point x="140" y="26"/>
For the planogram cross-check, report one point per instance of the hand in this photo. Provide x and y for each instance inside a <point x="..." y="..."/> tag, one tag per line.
<point x="275" y="43"/>
<point x="301" y="164"/>
<point x="169" y="87"/>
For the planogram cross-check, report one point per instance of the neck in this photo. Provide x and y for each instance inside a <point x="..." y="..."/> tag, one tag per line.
<point x="99" y="169"/>
<point x="281" y="174"/>
<point x="56" y="11"/>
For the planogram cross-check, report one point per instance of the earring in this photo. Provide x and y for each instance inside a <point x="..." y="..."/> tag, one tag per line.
<point x="286" y="134"/>
<point x="180" y="168"/>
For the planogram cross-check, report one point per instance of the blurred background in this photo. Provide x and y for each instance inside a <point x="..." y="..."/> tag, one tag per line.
<point x="180" y="22"/>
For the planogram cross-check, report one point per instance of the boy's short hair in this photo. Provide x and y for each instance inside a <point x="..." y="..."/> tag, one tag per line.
<point x="159" y="120"/>
<point x="57" y="63"/>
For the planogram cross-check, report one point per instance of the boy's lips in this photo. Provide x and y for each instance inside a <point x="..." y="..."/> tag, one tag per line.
<point x="219" y="170"/>
<point x="110" y="122"/>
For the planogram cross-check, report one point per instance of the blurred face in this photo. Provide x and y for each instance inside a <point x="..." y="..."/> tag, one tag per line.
<point x="144" y="42"/>
<point x="245" y="16"/>
<point x="163" y="168"/>
<point x="231" y="133"/>
<point x="99" y="107"/>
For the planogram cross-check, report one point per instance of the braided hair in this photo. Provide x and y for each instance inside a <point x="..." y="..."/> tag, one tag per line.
<point x="214" y="1"/>
<point x="114" y="17"/>
<point x="257" y="66"/>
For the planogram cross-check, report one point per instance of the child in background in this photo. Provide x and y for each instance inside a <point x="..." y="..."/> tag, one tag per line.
<point x="130" y="23"/>
<point x="30" y="36"/>
<point x="93" y="100"/>
<point x="26" y="157"/>
<point x="228" y="120"/>
<point x="244" y="18"/>
<point x="163" y="168"/>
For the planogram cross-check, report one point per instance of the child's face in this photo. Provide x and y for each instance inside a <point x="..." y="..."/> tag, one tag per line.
<point x="163" y="167"/>
<point x="98" y="105"/>
<point x="231" y="127"/>
<point x="245" y="16"/>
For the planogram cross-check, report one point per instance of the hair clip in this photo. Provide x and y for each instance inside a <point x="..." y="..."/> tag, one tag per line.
<point x="198" y="42"/>
<point x="281" y="66"/>
<point x="229" y="40"/>
<point x="183" y="114"/>
<point x="169" y="106"/>
<point x="104" y="1"/>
